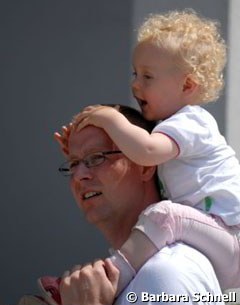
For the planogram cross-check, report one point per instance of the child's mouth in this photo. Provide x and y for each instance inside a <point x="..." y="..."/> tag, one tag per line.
<point x="142" y="103"/>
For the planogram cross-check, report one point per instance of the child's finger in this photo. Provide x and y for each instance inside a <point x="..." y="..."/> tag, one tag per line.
<point x="65" y="151"/>
<point x="82" y="124"/>
<point x="65" y="131"/>
<point x="85" y="113"/>
<point x="92" y="107"/>
<point x="62" y="142"/>
<point x="81" y="116"/>
<point x="60" y="139"/>
<point x="57" y="135"/>
<point x="88" y="108"/>
<point x="69" y="128"/>
<point x="78" y="122"/>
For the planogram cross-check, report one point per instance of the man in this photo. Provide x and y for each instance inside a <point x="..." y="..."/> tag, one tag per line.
<point x="112" y="195"/>
<point x="112" y="191"/>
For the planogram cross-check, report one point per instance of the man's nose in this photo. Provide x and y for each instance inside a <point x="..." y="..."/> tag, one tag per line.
<point x="82" y="172"/>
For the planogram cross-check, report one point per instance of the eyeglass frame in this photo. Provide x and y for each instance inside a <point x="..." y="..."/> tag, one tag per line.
<point x="61" y="169"/>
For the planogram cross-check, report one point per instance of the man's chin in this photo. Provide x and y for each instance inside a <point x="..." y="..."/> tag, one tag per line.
<point x="93" y="214"/>
<point x="94" y="219"/>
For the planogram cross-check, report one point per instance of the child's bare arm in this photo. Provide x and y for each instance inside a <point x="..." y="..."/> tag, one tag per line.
<point x="136" y="143"/>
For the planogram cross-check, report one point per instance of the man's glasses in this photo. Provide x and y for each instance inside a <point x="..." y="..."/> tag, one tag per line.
<point x="68" y="168"/>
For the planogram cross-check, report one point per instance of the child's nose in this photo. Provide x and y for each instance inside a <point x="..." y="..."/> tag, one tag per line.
<point x="136" y="84"/>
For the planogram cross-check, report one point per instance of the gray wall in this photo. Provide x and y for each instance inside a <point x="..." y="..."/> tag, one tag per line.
<point x="233" y="79"/>
<point x="56" y="57"/>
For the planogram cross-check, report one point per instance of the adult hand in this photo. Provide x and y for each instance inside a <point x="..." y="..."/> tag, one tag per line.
<point x="93" y="284"/>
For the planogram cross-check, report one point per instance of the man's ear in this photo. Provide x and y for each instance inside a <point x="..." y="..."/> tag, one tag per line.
<point x="147" y="172"/>
<point x="190" y="86"/>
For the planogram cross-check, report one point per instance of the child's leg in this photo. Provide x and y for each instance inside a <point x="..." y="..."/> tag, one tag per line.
<point x="138" y="249"/>
<point x="132" y="255"/>
<point x="167" y="222"/>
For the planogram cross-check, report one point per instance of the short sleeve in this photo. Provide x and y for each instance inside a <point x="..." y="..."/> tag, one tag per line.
<point x="192" y="129"/>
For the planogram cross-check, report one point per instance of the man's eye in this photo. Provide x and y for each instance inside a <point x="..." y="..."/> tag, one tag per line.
<point x="94" y="159"/>
<point x="72" y="164"/>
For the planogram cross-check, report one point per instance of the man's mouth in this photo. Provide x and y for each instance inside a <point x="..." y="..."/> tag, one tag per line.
<point x="91" y="194"/>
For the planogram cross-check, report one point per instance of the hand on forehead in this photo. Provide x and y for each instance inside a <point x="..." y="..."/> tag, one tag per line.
<point x="89" y="139"/>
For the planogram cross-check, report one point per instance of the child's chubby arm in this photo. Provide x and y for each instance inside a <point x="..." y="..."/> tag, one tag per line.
<point x="136" y="143"/>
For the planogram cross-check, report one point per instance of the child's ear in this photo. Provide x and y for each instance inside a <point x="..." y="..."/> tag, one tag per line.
<point x="190" y="86"/>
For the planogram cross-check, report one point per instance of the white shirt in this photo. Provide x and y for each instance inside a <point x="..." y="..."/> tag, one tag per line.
<point x="206" y="165"/>
<point x="176" y="271"/>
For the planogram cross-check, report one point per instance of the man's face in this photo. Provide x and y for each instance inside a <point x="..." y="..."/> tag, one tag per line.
<point x="107" y="192"/>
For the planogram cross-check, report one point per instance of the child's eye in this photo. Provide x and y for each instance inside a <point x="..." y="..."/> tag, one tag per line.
<point x="134" y="74"/>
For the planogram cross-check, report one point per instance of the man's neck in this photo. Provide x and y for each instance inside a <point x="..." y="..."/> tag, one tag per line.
<point x="117" y="231"/>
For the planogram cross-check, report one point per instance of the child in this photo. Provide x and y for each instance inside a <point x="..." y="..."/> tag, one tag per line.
<point x="178" y="63"/>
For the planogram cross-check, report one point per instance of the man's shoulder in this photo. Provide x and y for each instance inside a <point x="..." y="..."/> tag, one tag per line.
<point x="176" y="269"/>
<point x="179" y="257"/>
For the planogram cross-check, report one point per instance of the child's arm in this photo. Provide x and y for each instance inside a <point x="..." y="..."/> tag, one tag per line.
<point x="136" y="143"/>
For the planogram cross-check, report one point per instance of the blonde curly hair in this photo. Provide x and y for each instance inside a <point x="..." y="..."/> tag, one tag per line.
<point x="196" y="45"/>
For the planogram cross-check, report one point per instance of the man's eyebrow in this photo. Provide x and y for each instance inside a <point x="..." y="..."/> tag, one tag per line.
<point x="88" y="152"/>
<point x="72" y="157"/>
<point x="82" y="154"/>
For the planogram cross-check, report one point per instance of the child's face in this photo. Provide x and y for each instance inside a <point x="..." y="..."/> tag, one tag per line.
<point x="157" y="84"/>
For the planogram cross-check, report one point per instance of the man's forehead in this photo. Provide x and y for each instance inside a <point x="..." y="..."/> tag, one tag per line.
<point x="88" y="139"/>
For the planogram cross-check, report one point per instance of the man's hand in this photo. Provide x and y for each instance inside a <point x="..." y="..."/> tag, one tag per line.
<point x="93" y="284"/>
<point x="96" y="115"/>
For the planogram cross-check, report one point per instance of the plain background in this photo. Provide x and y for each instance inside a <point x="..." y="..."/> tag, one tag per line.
<point x="57" y="57"/>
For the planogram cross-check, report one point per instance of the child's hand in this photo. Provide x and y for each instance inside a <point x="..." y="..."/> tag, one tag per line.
<point x="96" y="115"/>
<point x="62" y="139"/>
